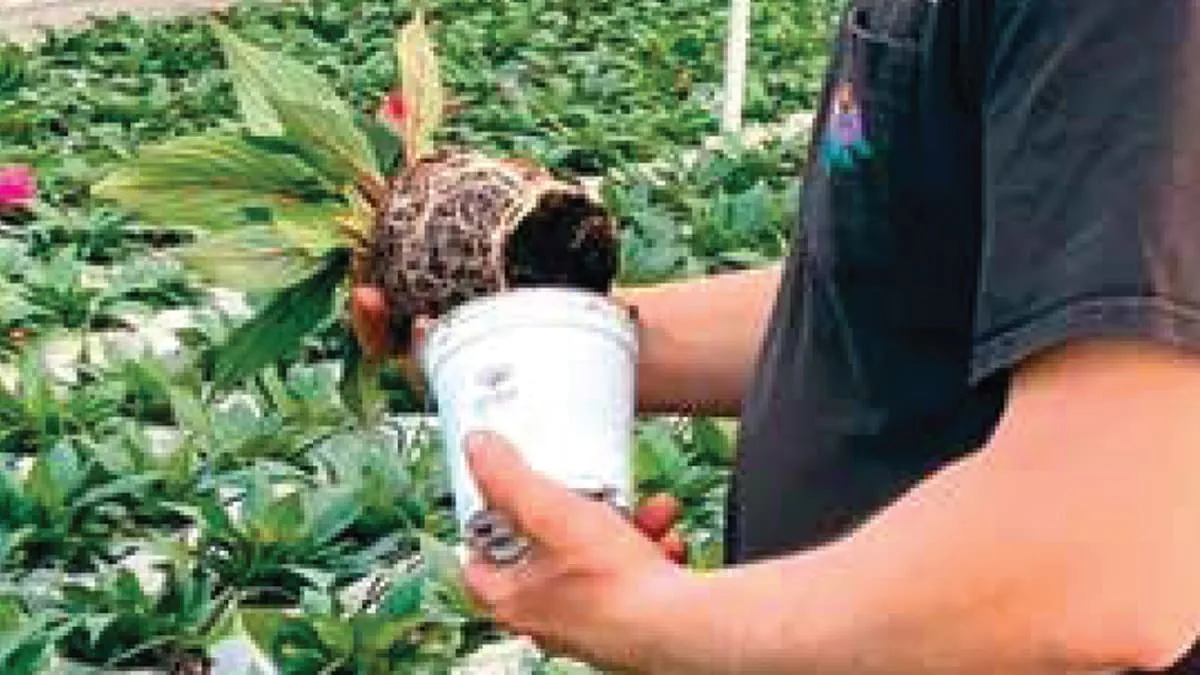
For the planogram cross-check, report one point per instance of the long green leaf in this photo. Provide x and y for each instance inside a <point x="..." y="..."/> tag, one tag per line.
<point x="335" y="511"/>
<point x="282" y="97"/>
<point x="222" y="181"/>
<point x="126" y="485"/>
<point x="282" y="325"/>
<point x="254" y="258"/>
<point x="360" y="388"/>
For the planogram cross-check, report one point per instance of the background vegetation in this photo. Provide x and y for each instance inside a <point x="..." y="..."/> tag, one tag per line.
<point x="145" y="521"/>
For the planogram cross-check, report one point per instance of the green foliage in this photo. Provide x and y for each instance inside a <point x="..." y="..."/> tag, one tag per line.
<point x="67" y="513"/>
<point x="119" y="624"/>
<point x="723" y="210"/>
<point x="36" y="413"/>
<point x="416" y="620"/>
<point x="689" y="459"/>
<point x="28" y="638"/>
<point x="257" y="464"/>
<point x="279" y="328"/>
<point x="279" y="97"/>
<point x="222" y="182"/>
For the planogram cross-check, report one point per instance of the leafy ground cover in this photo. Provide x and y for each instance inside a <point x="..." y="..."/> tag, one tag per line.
<point x="144" y="519"/>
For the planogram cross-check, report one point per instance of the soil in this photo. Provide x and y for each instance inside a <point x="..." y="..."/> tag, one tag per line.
<point x="566" y="241"/>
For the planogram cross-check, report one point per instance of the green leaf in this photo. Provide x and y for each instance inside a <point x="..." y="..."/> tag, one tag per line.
<point x="96" y="624"/>
<point x="222" y="181"/>
<point x="335" y="632"/>
<point x="282" y="97"/>
<point x="254" y="258"/>
<point x="387" y="145"/>
<point x="280" y="521"/>
<point x="404" y="598"/>
<point x="55" y="476"/>
<point x="440" y="561"/>
<point x="315" y="602"/>
<point x="360" y="387"/>
<point x="188" y="410"/>
<point x="341" y="152"/>
<point x="280" y="328"/>
<point x="378" y="634"/>
<point x="336" y="509"/>
<point x="318" y="580"/>
<point x="130" y="485"/>
<point x="262" y="625"/>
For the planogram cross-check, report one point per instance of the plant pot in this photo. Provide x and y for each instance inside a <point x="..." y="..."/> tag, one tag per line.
<point x="550" y="370"/>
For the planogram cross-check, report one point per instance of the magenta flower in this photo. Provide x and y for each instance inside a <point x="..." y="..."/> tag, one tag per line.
<point x="18" y="188"/>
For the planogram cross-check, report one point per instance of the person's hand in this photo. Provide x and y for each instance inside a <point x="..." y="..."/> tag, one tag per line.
<point x="593" y="586"/>
<point x="372" y="322"/>
<point x="371" y="319"/>
<point x="656" y="518"/>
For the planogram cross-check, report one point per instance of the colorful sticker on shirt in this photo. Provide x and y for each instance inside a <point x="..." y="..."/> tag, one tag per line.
<point x="845" y="137"/>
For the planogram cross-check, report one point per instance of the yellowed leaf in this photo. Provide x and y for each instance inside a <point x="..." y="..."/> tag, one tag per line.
<point x="421" y="87"/>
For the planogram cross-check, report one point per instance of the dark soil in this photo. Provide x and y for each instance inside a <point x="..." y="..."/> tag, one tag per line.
<point x="566" y="242"/>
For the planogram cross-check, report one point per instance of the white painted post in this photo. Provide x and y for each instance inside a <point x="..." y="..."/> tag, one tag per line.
<point x="735" y="65"/>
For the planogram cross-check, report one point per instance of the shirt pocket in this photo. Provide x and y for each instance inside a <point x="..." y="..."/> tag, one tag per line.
<point x="869" y="140"/>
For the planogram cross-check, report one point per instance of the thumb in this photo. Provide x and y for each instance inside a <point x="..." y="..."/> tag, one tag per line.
<point x="541" y="509"/>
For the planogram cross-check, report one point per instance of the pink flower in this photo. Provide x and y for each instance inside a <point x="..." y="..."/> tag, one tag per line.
<point x="18" y="187"/>
<point x="394" y="111"/>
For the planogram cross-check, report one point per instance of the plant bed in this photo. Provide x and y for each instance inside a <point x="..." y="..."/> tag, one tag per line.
<point x="638" y="88"/>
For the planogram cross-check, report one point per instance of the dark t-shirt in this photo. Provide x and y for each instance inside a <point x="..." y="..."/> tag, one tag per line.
<point x="988" y="178"/>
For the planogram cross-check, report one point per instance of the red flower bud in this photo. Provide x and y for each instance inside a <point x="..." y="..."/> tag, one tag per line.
<point x="394" y="111"/>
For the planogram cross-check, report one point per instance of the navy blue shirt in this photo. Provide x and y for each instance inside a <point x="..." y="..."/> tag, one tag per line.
<point x="988" y="179"/>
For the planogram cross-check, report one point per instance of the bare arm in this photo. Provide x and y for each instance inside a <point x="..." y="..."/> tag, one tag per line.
<point x="700" y="340"/>
<point x="1068" y="545"/>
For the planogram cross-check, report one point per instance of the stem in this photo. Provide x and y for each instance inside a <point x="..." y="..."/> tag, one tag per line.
<point x="373" y="190"/>
<point x="144" y="647"/>
<point x="223" y="604"/>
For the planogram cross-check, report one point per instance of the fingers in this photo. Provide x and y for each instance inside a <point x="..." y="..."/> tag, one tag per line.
<point x="540" y="508"/>
<point x="371" y="320"/>
<point x="657" y="515"/>
<point x="674" y="547"/>
<point x="421" y="327"/>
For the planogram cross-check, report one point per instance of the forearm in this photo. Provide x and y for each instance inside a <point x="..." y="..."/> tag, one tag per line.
<point x="939" y="584"/>
<point x="700" y="340"/>
<point x="943" y="583"/>
<point x="1060" y="548"/>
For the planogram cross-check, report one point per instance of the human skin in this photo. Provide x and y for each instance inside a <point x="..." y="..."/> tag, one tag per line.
<point x="698" y="339"/>
<point x="1090" y="570"/>
<point x="1066" y="545"/>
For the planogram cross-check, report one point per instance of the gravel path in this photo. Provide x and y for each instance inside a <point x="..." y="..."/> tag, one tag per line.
<point x="21" y="20"/>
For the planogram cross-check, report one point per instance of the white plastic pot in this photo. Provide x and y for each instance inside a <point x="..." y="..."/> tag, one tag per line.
<point x="553" y="372"/>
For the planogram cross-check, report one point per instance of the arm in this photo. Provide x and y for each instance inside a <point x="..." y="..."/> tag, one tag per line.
<point x="700" y="340"/>
<point x="1068" y="545"/>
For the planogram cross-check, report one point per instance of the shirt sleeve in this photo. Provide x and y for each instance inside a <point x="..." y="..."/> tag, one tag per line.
<point x="1091" y="176"/>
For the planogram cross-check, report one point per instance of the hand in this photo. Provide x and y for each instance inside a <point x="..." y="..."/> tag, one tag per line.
<point x="372" y="321"/>
<point x="593" y="586"/>
<point x="656" y="519"/>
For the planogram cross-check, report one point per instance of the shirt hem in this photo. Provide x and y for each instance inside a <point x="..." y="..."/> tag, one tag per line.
<point x="1161" y="320"/>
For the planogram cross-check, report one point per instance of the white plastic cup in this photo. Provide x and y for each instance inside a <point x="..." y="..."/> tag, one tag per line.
<point x="551" y="370"/>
